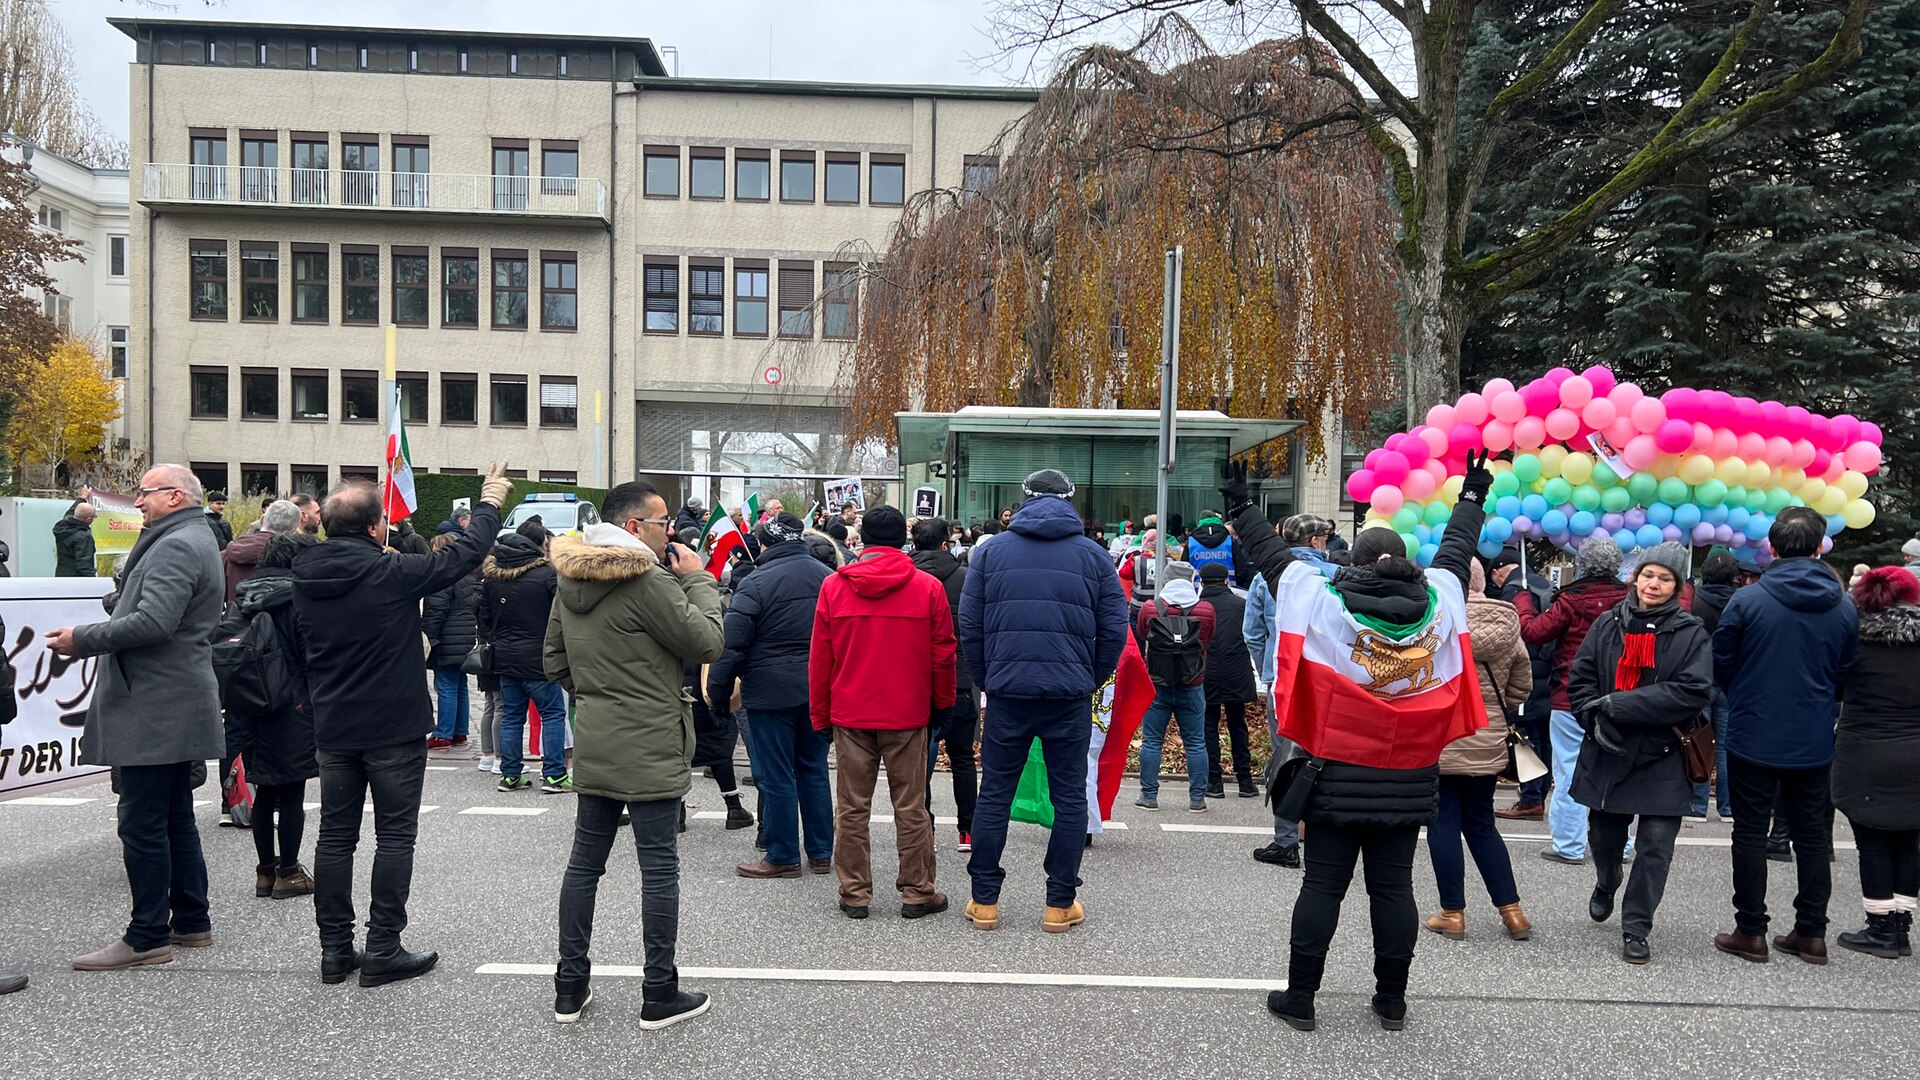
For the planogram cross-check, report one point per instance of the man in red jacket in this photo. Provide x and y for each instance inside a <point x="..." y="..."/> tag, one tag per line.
<point x="883" y="655"/>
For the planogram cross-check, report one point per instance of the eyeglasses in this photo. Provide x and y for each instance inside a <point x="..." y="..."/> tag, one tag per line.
<point x="662" y="522"/>
<point x="157" y="490"/>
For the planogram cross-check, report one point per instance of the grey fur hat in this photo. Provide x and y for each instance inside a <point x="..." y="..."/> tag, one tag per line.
<point x="1598" y="556"/>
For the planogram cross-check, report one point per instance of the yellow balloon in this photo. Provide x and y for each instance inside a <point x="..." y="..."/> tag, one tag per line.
<point x="1760" y="475"/>
<point x="1811" y="489"/>
<point x="1552" y="459"/>
<point x="1854" y="484"/>
<point x="1697" y="468"/>
<point x="1731" y="472"/>
<point x="1791" y="479"/>
<point x="1832" y="501"/>
<point x="1665" y="466"/>
<point x="1858" y="514"/>
<point x="1498" y="467"/>
<point x="1577" y="469"/>
<point x="1451" y="489"/>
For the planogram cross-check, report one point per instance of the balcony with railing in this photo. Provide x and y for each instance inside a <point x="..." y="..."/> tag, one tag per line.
<point x="350" y="192"/>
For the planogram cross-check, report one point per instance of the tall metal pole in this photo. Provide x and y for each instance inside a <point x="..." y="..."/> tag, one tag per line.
<point x="1169" y="402"/>
<point x="599" y="446"/>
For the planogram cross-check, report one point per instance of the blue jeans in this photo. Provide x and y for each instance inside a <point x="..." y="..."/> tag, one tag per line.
<point x="160" y="845"/>
<point x="1188" y="705"/>
<point x="1718" y="710"/>
<point x="450" y="690"/>
<point x="790" y="766"/>
<point x="1566" y="819"/>
<point x="1464" y="811"/>
<point x="546" y="696"/>
<point x="1064" y="727"/>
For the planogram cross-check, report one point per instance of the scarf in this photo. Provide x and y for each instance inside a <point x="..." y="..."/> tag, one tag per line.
<point x="1636" y="651"/>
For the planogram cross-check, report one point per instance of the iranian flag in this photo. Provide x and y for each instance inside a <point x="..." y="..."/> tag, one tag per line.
<point x="1353" y="689"/>
<point x="720" y="539"/>
<point x="397" y="497"/>
<point x="1118" y="708"/>
<point x="751" y="510"/>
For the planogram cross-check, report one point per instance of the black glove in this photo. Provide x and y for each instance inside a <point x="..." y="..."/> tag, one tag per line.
<point x="1235" y="489"/>
<point x="1474" y="485"/>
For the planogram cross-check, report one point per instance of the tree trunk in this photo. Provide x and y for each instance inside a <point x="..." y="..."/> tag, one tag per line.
<point x="1437" y="320"/>
<point x="1036" y="382"/>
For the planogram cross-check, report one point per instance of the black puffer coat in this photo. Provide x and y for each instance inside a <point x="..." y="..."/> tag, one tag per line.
<point x="1650" y="777"/>
<point x="516" y="596"/>
<point x="280" y="745"/>
<point x="769" y="630"/>
<point x="953" y="577"/>
<point x="1876" y="758"/>
<point x="448" y="620"/>
<point x="715" y="734"/>
<point x="1229" y="667"/>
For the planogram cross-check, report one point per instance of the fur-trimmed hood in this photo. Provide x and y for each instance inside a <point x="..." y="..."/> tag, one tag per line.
<point x="512" y="556"/>
<point x="824" y="548"/>
<point x="590" y="570"/>
<point x="1897" y="625"/>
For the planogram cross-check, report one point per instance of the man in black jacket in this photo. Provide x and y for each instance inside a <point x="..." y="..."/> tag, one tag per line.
<point x="73" y="543"/>
<point x="217" y="518"/>
<point x="359" y="610"/>
<point x="956" y="726"/>
<point x="1229" y="683"/>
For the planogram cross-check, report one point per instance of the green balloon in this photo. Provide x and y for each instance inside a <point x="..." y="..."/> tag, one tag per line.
<point x="1776" y="500"/>
<point x="1710" y="493"/>
<point x="1586" y="497"/>
<point x="1604" y="477"/>
<point x="1557" y="491"/>
<point x="1413" y="544"/>
<point x="1437" y="513"/>
<point x="1527" y="468"/>
<point x="1405" y="518"/>
<point x="1643" y="488"/>
<point x="1615" y="500"/>
<point x="1674" y="492"/>
<point x="1505" y="484"/>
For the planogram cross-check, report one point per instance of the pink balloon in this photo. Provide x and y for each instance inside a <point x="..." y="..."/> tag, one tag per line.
<point x="1773" y="417"/>
<point x="1674" y="437"/>
<point x="1641" y="452"/>
<point x="1496" y="387"/>
<point x="1373" y="457"/>
<point x="1436" y="440"/>
<point x="1414" y="449"/>
<point x="1779" y="452"/>
<point x="1702" y="438"/>
<point x="1602" y="379"/>
<point x="1498" y="435"/>
<point x="1625" y="395"/>
<point x="1541" y="397"/>
<point x="1621" y="430"/>
<point x="1563" y="423"/>
<point x="1746" y="415"/>
<point x="1870" y="431"/>
<point x="1716" y="407"/>
<point x="1753" y="446"/>
<point x="1558" y="375"/>
<point x="1846" y="430"/>
<point x="1822" y="460"/>
<point x="1387" y="499"/>
<point x="1440" y="416"/>
<point x="1683" y="403"/>
<point x="1820" y="430"/>
<point x="1360" y="485"/>
<point x="1462" y="438"/>
<point x="1863" y="457"/>
<point x="1725" y="444"/>
<point x="1439" y="470"/>
<point x="1418" y="485"/>
<point x="1599" y="414"/>
<point x="1836" y="467"/>
<point x="1471" y="410"/>
<point x="1648" y="414"/>
<point x="1803" y="452"/>
<point x="1391" y="468"/>
<point x="1510" y="407"/>
<point x="1797" y="422"/>
<point x="1575" y="392"/>
<point x="1530" y="434"/>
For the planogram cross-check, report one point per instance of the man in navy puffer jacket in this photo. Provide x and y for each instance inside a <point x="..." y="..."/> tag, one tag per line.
<point x="1043" y="622"/>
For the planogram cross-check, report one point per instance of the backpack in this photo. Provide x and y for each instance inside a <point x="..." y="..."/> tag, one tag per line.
<point x="1175" y="655"/>
<point x="257" y="675"/>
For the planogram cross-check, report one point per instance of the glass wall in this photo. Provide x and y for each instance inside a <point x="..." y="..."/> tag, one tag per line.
<point x="1115" y="476"/>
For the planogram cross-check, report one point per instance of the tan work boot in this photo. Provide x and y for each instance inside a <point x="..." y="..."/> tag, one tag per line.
<point x="983" y="916"/>
<point x="1061" y="919"/>
<point x="1518" y="928"/>
<point x="119" y="956"/>
<point x="1451" y="925"/>
<point x="294" y="882"/>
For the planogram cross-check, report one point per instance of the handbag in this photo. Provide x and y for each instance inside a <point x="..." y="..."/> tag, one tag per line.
<point x="1696" y="749"/>
<point x="1299" y="776"/>
<point x="1523" y="764"/>
<point x="479" y="661"/>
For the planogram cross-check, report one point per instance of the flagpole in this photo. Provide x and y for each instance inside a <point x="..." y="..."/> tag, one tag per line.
<point x="386" y="405"/>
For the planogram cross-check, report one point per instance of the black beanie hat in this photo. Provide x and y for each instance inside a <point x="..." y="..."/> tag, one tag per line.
<point x="884" y="527"/>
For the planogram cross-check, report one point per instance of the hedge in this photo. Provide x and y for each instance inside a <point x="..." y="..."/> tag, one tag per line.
<point x="435" y="493"/>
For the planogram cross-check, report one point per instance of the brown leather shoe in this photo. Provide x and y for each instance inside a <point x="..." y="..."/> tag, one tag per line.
<point x="119" y="956"/>
<point x="761" y="868"/>
<point x="820" y="866"/>
<point x="983" y="916"/>
<point x="199" y="940"/>
<point x="1518" y="928"/>
<point x="1745" y="946"/>
<point x="1059" y="920"/>
<point x="1522" y="812"/>
<point x="263" y="880"/>
<point x="291" y="883"/>
<point x="1451" y="925"/>
<point x="1811" y="949"/>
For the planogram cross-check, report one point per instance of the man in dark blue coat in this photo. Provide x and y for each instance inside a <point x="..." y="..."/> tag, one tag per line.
<point x="1043" y="622"/>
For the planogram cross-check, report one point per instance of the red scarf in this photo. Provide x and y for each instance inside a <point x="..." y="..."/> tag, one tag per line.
<point x="1636" y="654"/>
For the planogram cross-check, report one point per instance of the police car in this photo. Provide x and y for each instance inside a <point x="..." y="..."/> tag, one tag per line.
<point x="559" y="511"/>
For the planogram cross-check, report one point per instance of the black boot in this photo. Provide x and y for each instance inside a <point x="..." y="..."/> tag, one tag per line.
<point x="337" y="964"/>
<point x="1216" y="788"/>
<point x="1248" y="790"/>
<point x="570" y="998"/>
<point x="1295" y="1003"/>
<point x="381" y="968"/>
<point x="737" y="816"/>
<point x="1880" y="938"/>
<point x="666" y="1006"/>
<point x="1903" y="929"/>
<point x="1390" y="990"/>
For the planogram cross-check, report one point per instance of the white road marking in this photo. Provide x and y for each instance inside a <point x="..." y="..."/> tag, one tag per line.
<point x="1684" y="841"/>
<point x="506" y="811"/>
<point x="1226" y="830"/>
<point x="47" y="800"/>
<point x="442" y="768"/>
<point x="887" y="819"/>
<point x="968" y="978"/>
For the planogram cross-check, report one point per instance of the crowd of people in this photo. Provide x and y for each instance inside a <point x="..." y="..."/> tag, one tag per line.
<point x="1394" y="699"/>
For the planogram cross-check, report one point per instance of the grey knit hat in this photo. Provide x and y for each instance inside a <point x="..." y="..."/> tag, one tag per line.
<point x="1911" y="548"/>
<point x="1670" y="555"/>
<point x="1598" y="556"/>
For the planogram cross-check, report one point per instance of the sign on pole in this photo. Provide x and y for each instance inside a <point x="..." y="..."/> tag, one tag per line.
<point x="926" y="502"/>
<point x="40" y="748"/>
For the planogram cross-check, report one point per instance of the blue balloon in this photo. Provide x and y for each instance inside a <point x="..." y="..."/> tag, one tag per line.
<point x="1757" y="526"/>
<point x="1582" y="523"/>
<point x="1499" y="529"/>
<point x="1488" y="548"/>
<point x="1439" y="533"/>
<point x="1422" y="533"/>
<point x="1507" y="506"/>
<point x="1738" y="517"/>
<point x="1625" y="540"/>
<point x="1686" y="515"/>
<point x="1649" y="535"/>
<point x="1660" y="514"/>
<point x="1554" y="522"/>
<point x="1715" y="515"/>
<point x="1427" y="552"/>
<point x="1835" y="523"/>
<point x="1533" y="507"/>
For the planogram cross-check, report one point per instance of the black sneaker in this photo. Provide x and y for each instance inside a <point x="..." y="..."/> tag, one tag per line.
<point x="1275" y="855"/>
<point x="379" y="969"/>
<point x="921" y="911"/>
<point x="1216" y="789"/>
<point x="571" y="998"/>
<point x="1633" y="949"/>
<point x="1249" y="790"/>
<point x="858" y="911"/>
<point x="671" y="1008"/>
<point x="514" y="783"/>
<point x="739" y="817"/>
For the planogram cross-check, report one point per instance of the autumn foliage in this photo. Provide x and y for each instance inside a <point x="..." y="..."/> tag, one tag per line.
<point x="1045" y="288"/>
<point x="61" y="411"/>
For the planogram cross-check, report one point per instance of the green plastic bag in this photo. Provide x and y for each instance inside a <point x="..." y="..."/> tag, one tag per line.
<point x="1033" y="800"/>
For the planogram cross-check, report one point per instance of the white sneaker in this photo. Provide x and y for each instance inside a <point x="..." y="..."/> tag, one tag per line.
<point x="495" y="770"/>
<point x="487" y="764"/>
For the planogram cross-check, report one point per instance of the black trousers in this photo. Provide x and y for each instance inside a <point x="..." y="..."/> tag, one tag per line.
<point x="395" y="776"/>
<point x="1607" y="838"/>
<point x="1235" y="714"/>
<point x="957" y="727"/>
<point x="287" y="801"/>
<point x="1808" y="810"/>
<point x="656" y="842"/>
<point x="1889" y="862"/>
<point x="1331" y="852"/>
<point x="160" y="845"/>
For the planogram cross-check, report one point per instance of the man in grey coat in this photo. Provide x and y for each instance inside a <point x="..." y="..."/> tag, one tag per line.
<point x="155" y="713"/>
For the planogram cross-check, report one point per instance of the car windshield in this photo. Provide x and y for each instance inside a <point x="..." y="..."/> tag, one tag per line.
<point x="556" y="516"/>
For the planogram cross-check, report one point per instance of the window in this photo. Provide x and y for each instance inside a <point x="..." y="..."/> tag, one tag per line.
<point x="413" y="396"/>
<point x="259" y="166"/>
<point x="259" y="282"/>
<point x="310" y="397"/>
<point x="510" y="174"/>
<point x="559" y="285"/>
<point x="259" y="479"/>
<point x="310" y="283"/>
<point x="369" y="473"/>
<point x="663" y="172"/>
<point x="359" y="397"/>
<point x="310" y="169"/>
<point x="749" y="298"/>
<point x="510" y="289"/>
<point x="310" y="480"/>
<point x="508" y="402"/>
<point x="662" y="296"/>
<point x="796" y="176"/>
<point x="840" y="315"/>
<point x="410" y="169"/>
<point x="209" y="262"/>
<point x="259" y="394"/>
<point x="117" y="351"/>
<point x="843" y="178"/>
<point x="977" y="174"/>
<point x="886" y="179"/>
<point x="211" y="474"/>
<point x="208" y="173"/>
<point x="116" y="256"/>
<point x="551" y="476"/>
<point x="410" y="278"/>
<point x="52" y="218"/>
<point x="706" y="298"/>
<point x="360" y="269"/>
<point x="59" y="309"/>
<point x="463" y="61"/>
<point x="459" y="399"/>
<point x="751" y="175"/>
<point x="708" y="173"/>
<point x="459" y="287"/>
<point x="208" y="392"/>
<point x="360" y="171"/>
<point x="796" y="299"/>
<point x="559" y="168"/>
<point x="559" y="401"/>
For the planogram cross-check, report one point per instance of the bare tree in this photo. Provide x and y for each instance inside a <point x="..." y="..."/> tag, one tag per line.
<point x="1452" y="146"/>
<point x="39" y="100"/>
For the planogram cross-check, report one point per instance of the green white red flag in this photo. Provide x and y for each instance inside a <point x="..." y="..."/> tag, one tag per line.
<point x="397" y="497"/>
<point x="720" y="539"/>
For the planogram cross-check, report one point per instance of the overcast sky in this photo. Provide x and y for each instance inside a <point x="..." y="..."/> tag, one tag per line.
<point x="899" y="41"/>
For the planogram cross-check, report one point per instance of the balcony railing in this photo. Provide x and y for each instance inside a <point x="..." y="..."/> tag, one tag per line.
<point x="442" y="192"/>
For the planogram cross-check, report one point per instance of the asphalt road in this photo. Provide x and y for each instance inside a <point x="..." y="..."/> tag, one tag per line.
<point x="1166" y="978"/>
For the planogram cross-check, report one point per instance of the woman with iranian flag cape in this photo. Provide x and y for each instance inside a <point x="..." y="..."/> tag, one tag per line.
<point x="1373" y="677"/>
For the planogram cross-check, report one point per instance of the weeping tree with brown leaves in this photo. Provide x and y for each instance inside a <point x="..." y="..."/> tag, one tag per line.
<point x="1045" y="288"/>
